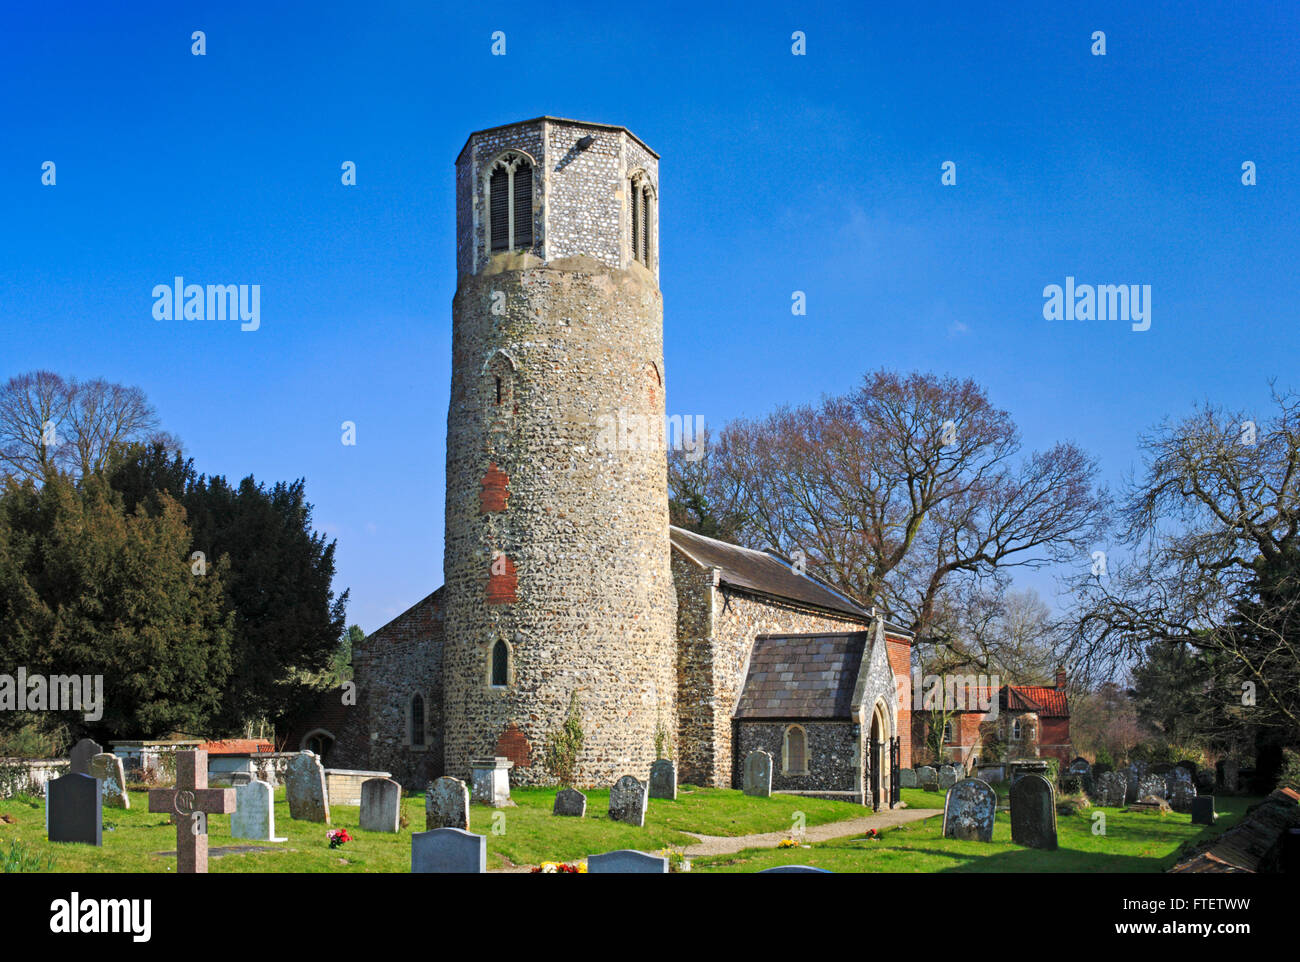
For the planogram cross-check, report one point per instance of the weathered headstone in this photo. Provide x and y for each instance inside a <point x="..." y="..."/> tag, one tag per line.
<point x="928" y="778"/>
<point x="1135" y="772"/>
<point x="1180" y="792"/>
<point x="490" y="777"/>
<point x="82" y="753"/>
<point x="446" y="804"/>
<point x="907" y="777"/>
<point x="1152" y="784"/>
<point x="627" y="861"/>
<point x="449" y="850"/>
<point x="304" y="783"/>
<point x="1033" y="813"/>
<point x="627" y="801"/>
<point x="758" y="774"/>
<point x="254" y="814"/>
<point x="1110" y="789"/>
<point x="947" y="778"/>
<point x="663" y="779"/>
<point x="1080" y="766"/>
<point x="381" y="805"/>
<point x="74" y="809"/>
<point x="969" y="809"/>
<point x="1203" y="810"/>
<point x="189" y="804"/>
<point x="571" y="802"/>
<point x="107" y="767"/>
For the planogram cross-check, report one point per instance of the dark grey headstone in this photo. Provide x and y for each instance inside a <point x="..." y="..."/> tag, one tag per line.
<point x="663" y="779"/>
<point x="627" y="801"/>
<point x="76" y="812"/>
<point x="82" y="753"/>
<point x="1203" y="810"/>
<point x="571" y="802"/>
<point x="928" y="778"/>
<point x="446" y="804"/>
<point x="1033" y="813"/>
<point x="758" y="774"/>
<point x="448" y="851"/>
<point x="1110" y="789"/>
<point x="907" y="777"/>
<point x="627" y="861"/>
<point x="969" y="809"/>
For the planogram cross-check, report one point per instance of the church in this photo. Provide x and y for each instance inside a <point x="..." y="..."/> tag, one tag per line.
<point x="566" y="592"/>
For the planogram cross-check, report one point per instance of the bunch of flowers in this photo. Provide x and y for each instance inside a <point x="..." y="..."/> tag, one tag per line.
<point x="562" y="868"/>
<point x="872" y="834"/>
<point x="787" y="843"/>
<point x="677" y="860"/>
<point x="338" y="836"/>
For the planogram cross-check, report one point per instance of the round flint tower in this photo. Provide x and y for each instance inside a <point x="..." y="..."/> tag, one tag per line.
<point x="557" y="557"/>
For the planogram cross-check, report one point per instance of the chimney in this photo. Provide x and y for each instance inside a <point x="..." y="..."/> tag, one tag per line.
<point x="1060" y="678"/>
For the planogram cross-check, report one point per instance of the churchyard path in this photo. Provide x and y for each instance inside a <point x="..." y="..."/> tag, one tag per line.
<point x="730" y="844"/>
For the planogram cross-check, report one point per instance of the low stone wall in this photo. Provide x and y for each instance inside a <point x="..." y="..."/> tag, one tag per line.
<point x="343" y="786"/>
<point x="28" y="776"/>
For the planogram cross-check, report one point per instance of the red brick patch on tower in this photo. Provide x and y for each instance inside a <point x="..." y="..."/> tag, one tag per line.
<point x="513" y="745"/>
<point x="496" y="490"/>
<point x="502" y="584"/>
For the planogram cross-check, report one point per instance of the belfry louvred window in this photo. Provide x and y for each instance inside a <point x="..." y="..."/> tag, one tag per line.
<point x="510" y="203"/>
<point x="641" y="211"/>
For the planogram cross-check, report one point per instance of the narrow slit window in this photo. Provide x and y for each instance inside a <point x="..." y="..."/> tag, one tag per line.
<point x="500" y="665"/>
<point x="417" y="720"/>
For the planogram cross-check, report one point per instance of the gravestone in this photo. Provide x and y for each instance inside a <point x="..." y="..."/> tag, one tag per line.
<point x="189" y="804"/>
<point x="758" y="774"/>
<point x="627" y="801"/>
<point x="969" y="809"/>
<point x="254" y="814"/>
<point x="1231" y="775"/>
<point x="1203" y="810"/>
<point x="790" y="869"/>
<point x="82" y="753"/>
<point x="449" y="850"/>
<point x="490" y="777"/>
<point x="627" y="861"/>
<point x="1110" y="789"/>
<point x="446" y="804"/>
<point x="570" y="802"/>
<point x="947" y="779"/>
<point x="305" y="788"/>
<point x="928" y="778"/>
<point x="663" y="779"/>
<point x="1180" y="792"/>
<point x="381" y="805"/>
<point x="74" y="809"/>
<point x="907" y="776"/>
<point x="1134" y="774"/>
<point x="1033" y="813"/>
<point x="107" y="767"/>
<point x="1080" y="766"/>
<point x="1152" y="784"/>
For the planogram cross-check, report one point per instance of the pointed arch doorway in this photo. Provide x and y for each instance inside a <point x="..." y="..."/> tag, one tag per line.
<point x="882" y="758"/>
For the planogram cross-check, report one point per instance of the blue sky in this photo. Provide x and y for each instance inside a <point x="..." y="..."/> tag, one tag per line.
<point x="779" y="173"/>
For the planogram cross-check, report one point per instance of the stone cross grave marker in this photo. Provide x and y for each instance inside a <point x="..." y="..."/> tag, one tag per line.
<point x="627" y="801"/>
<point x="189" y="804"/>
<point x="571" y="802"/>
<point x="304" y="782"/>
<point x="969" y="809"/>
<point x="446" y="804"/>
<point x="1033" y="813"/>
<point x="448" y="850"/>
<point x="254" y="815"/>
<point x="758" y="774"/>
<point x="627" y="861"/>
<point x="74" y="809"/>
<point x="381" y="805"/>
<point x="663" y="779"/>
<point x="107" y="767"/>
<point x="82" y="753"/>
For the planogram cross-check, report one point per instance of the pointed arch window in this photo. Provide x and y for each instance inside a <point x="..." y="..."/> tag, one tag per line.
<point x="500" y="665"/>
<point x="641" y="210"/>
<point x="510" y="203"/>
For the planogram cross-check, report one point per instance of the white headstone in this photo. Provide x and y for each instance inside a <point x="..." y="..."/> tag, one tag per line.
<point x="254" y="814"/>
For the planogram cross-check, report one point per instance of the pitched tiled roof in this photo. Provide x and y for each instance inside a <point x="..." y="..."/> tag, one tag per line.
<point x="762" y="572"/>
<point x="1046" y="702"/>
<point x="802" y="676"/>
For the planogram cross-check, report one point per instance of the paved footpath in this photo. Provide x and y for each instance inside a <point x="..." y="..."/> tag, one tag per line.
<point x="730" y="844"/>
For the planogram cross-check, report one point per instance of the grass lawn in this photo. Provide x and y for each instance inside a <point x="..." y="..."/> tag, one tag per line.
<point x="1132" y="843"/>
<point x="531" y="834"/>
